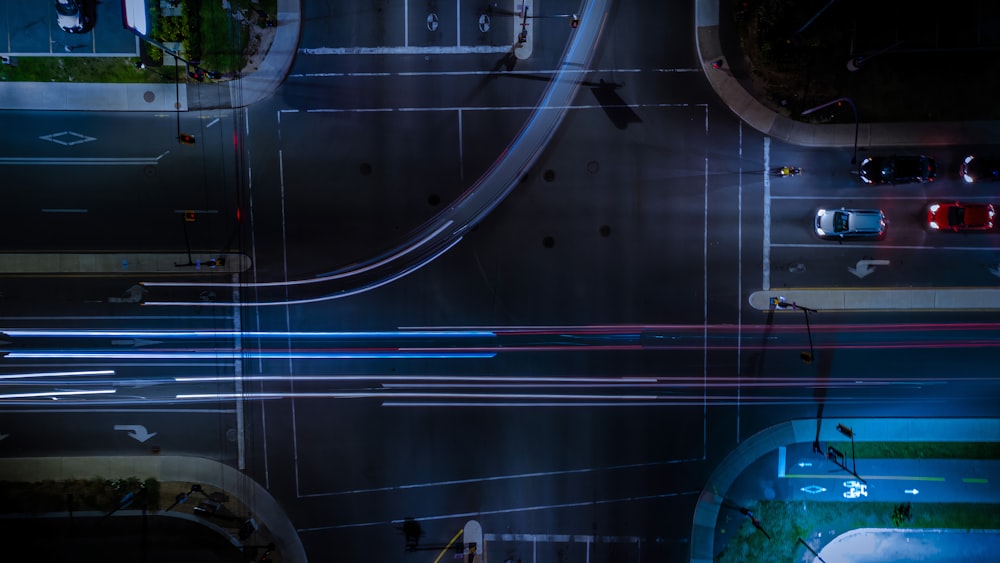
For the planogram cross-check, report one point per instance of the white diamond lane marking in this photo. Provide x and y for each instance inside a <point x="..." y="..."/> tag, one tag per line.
<point x="813" y="489"/>
<point x="67" y="138"/>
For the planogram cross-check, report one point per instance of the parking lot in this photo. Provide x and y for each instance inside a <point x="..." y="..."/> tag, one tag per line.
<point x="31" y="29"/>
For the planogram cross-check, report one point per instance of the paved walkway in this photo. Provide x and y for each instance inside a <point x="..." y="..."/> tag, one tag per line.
<point x="891" y="545"/>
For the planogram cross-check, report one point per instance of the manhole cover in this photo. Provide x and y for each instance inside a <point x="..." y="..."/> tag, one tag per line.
<point x="148" y="96"/>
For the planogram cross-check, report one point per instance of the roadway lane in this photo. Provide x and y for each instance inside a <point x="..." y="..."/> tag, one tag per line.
<point x="118" y="181"/>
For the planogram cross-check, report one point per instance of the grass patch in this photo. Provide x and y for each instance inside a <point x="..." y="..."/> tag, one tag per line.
<point x="921" y="450"/>
<point x="81" y="69"/>
<point x="80" y="494"/>
<point x="786" y="521"/>
<point x="223" y="39"/>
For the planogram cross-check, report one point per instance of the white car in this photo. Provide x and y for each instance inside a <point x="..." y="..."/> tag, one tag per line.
<point x="71" y="16"/>
<point x="840" y="224"/>
<point x="855" y="489"/>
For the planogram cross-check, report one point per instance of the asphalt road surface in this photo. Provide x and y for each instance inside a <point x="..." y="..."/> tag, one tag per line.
<point x="568" y="375"/>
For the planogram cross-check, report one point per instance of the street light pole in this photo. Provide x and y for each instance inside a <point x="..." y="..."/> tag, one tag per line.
<point x="846" y="431"/>
<point x="854" y="156"/>
<point x="780" y="303"/>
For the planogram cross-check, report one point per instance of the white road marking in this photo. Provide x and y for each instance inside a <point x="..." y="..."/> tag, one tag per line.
<point x="477" y="72"/>
<point x="884" y="247"/>
<point x="885" y="197"/>
<point x="55" y="161"/>
<point x="76" y="138"/>
<point x="766" y="282"/>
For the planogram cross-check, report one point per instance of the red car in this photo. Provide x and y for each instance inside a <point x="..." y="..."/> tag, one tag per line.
<point x="957" y="216"/>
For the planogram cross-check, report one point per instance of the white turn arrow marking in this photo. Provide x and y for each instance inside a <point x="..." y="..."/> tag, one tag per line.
<point x="864" y="267"/>
<point x="911" y="491"/>
<point x="995" y="271"/>
<point x="804" y="464"/>
<point x="136" y="431"/>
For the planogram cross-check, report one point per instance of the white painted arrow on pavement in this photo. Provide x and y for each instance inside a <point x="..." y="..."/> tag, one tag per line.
<point x="804" y="464"/>
<point x="136" y="431"/>
<point x="911" y="491"/>
<point x="864" y="267"/>
<point x="995" y="271"/>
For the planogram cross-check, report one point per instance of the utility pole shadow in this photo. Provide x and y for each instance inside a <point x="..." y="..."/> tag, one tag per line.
<point x="618" y="111"/>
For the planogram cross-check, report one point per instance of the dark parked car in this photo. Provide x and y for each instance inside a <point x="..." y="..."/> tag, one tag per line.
<point x="898" y="169"/>
<point x="980" y="169"/>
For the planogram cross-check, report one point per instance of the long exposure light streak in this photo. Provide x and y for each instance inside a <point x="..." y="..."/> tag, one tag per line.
<point x="563" y="398"/>
<point x="56" y="374"/>
<point x="330" y="276"/>
<point x="252" y="354"/>
<point x="82" y="333"/>
<point x="55" y="394"/>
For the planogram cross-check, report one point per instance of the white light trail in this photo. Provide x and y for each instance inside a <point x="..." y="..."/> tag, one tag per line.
<point x="247" y="334"/>
<point x="55" y="394"/>
<point x="56" y="374"/>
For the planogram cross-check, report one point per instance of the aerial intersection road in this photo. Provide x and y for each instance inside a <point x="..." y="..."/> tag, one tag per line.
<point x="564" y="357"/>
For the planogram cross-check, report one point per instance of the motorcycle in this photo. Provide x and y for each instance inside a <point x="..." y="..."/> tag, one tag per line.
<point x="785" y="171"/>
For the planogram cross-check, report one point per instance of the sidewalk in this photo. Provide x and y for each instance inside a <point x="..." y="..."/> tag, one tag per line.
<point x="212" y="474"/>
